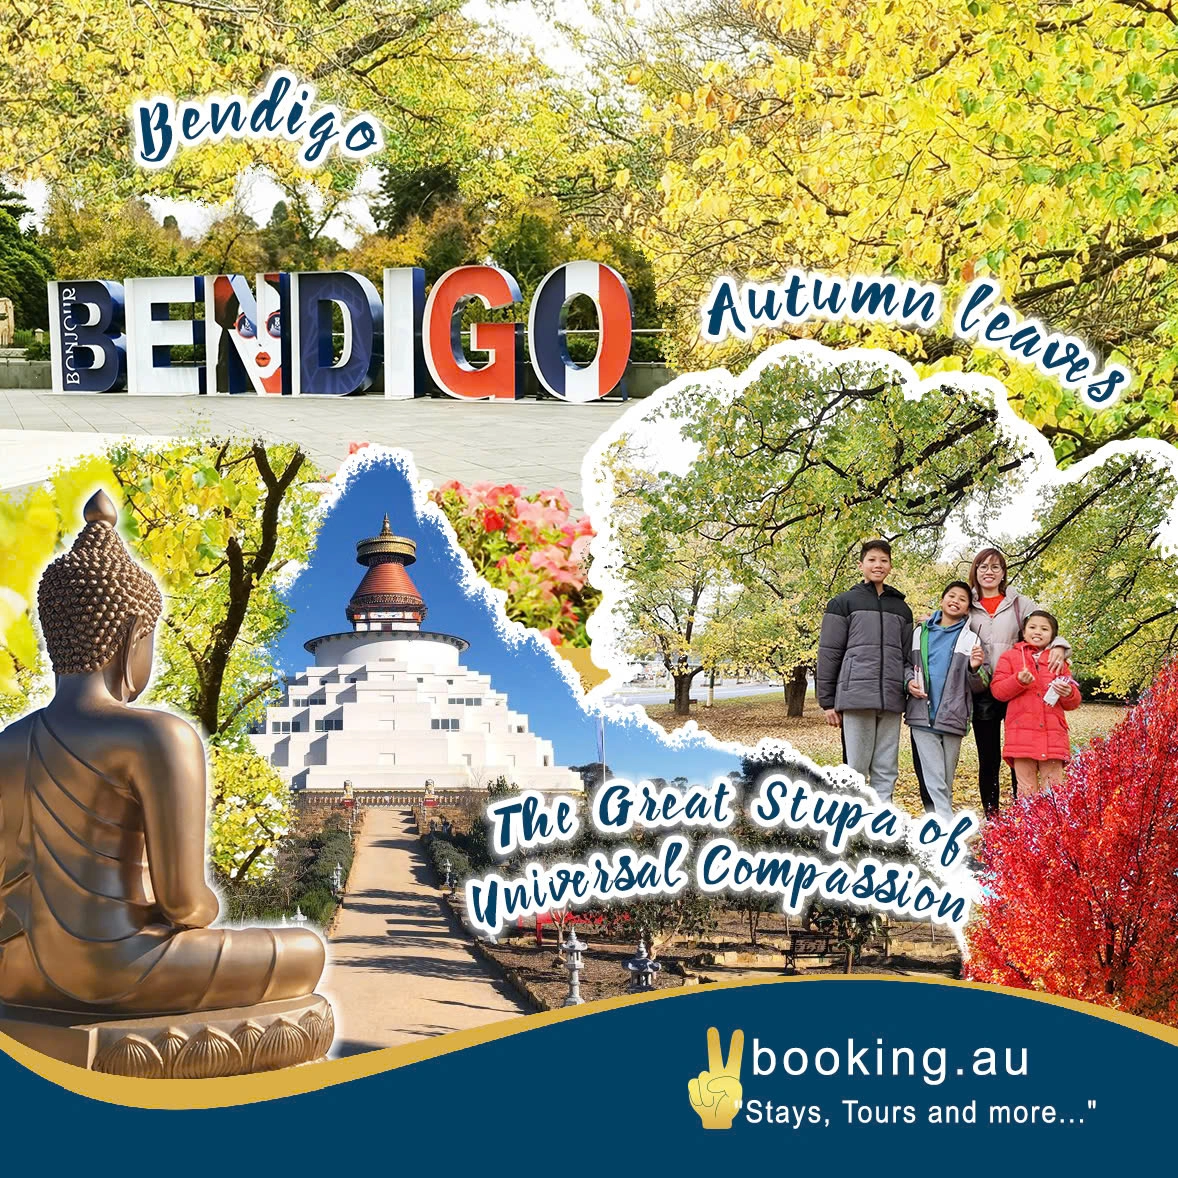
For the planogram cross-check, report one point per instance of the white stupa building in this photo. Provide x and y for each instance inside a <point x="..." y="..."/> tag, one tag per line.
<point x="389" y="706"/>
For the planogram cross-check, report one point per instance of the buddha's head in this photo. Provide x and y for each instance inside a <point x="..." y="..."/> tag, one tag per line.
<point x="98" y="608"/>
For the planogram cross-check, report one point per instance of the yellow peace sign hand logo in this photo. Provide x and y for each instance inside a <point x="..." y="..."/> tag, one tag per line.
<point x="715" y="1093"/>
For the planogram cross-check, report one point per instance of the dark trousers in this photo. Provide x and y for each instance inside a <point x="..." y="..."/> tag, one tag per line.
<point x="987" y="735"/>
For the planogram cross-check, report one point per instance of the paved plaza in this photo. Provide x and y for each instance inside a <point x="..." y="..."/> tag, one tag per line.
<point x="536" y="444"/>
<point x="401" y="966"/>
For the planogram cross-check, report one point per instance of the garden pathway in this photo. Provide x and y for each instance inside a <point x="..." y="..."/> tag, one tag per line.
<point x="401" y="965"/>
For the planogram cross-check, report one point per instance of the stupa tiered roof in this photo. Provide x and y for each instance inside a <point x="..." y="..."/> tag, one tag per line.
<point x="386" y="585"/>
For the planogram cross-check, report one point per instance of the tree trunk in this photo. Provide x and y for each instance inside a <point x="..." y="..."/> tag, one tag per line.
<point x="242" y="579"/>
<point x="711" y="688"/>
<point x="683" y="694"/>
<point x="795" y="691"/>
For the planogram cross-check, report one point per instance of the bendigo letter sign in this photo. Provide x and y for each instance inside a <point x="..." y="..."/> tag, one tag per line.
<point x="276" y="335"/>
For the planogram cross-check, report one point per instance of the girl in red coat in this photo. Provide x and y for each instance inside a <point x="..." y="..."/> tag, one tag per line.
<point x="1037" y="743"/>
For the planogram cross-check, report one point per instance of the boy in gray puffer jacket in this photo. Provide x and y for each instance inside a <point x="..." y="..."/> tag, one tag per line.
<point x="946" y="669"/>
<point x="862" y="654"/>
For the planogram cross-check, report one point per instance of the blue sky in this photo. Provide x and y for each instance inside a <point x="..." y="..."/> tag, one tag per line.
<point x="524" y="670"/>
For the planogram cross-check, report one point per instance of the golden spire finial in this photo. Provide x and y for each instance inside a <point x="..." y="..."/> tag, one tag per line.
<point x="387" y="545"/>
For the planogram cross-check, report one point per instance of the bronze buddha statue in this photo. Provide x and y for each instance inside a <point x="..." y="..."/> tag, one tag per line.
<point x="104" y="905"/>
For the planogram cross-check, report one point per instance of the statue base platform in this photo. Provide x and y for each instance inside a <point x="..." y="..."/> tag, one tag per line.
<point x="203" y="1045"/>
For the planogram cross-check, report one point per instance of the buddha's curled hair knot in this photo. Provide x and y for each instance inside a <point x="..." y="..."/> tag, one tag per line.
<point x="88" y="596"/>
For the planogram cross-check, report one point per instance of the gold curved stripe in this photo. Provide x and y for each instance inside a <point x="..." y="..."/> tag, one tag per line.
<point x="237" y="1090"/>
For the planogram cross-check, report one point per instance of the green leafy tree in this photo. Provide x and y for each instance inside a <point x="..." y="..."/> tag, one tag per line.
<point x="415" y="194"/>
<point x="294" y="237"/>
<point x="113" y="242"/>
<point x="450" y="239"/>
<point x="791" y="475"/>
<point x="676" y="595"/>
<point x="767" y="633"/>
<point x="25" y="266"/>
<point x="533" y="238"/>
<point x="795" y="471"/>
<point x="449" y="91"/>
<point x="1097" y="558"/>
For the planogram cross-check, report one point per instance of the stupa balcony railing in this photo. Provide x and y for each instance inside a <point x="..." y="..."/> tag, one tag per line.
<point x="327" y="799"/>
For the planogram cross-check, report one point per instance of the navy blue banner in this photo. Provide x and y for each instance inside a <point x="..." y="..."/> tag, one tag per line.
<point x="859" y="1071"/>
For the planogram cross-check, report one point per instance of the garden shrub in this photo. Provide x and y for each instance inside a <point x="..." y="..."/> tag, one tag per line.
<point x="301" y="879"/>
<point x="318" y="905"/>
<point x="440" y="850"/>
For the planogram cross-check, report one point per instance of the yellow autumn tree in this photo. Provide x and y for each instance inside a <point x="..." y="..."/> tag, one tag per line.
<point x="250" y="813"/>
<point x="444" y="87"/>
<point x="1026" y="140"/>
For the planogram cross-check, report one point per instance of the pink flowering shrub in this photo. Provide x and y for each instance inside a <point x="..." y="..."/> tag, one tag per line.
<point x="531" y="547"/>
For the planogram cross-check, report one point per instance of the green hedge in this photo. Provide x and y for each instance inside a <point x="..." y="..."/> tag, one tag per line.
<point x="643" y="348"/>
<point x="318" y="905"/>
<point x="302" y="879"/>
<point x="440" y="850"/>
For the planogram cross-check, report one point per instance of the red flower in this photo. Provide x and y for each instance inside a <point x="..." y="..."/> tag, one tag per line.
<point x="354" y="446"/>
<point x="553" y="635"/>
<point x="492" y="521"/>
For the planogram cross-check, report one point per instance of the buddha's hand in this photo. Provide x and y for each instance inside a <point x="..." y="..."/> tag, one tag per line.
<point x="715" y="1094"/>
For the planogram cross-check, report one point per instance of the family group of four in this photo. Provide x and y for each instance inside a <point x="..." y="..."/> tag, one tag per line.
<point x="988" y="655"/>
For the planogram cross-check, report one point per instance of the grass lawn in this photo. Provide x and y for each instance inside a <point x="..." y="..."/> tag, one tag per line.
<point x="749" y="718"/>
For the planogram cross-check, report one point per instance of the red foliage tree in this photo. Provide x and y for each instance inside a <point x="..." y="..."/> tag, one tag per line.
<point x="1082" y="881"/>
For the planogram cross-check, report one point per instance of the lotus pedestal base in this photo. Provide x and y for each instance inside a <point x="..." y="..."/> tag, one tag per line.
<point x="203" y="1045"/>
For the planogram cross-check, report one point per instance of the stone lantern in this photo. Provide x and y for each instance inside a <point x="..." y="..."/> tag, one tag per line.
<point x="574" y="963"/>
<point x="642" y="970"/>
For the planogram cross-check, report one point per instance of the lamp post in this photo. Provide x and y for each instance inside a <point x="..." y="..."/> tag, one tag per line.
<point x="642" y="970"/>
<point x="337" y="879"/>
<point x="446" y="869"/>
<point x="573" y="962"/>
